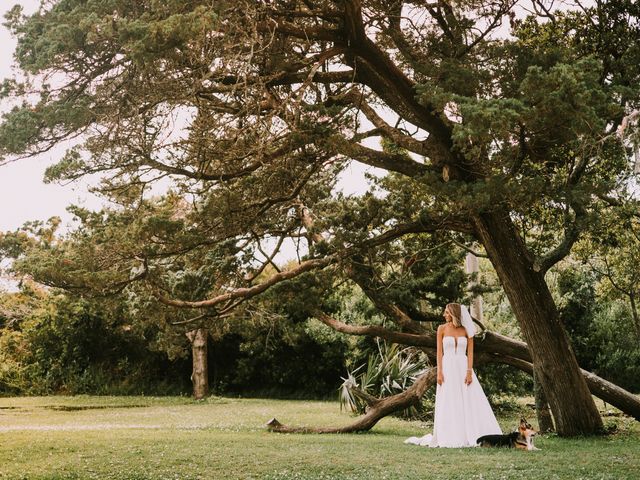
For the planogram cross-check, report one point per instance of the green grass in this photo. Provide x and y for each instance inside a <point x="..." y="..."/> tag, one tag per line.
<point x="176" y="438"/>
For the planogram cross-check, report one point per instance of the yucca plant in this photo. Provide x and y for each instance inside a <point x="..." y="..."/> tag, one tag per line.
<point x="388" y="372"/>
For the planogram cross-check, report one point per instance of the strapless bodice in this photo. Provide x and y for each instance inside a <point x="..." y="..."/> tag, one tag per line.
<point x="454" y="345"/>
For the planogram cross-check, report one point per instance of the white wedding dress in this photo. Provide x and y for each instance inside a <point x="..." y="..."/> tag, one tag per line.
<point x="462" y="412"/>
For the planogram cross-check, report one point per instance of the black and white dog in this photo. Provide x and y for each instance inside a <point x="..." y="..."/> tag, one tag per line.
<point x="522" y="438"/>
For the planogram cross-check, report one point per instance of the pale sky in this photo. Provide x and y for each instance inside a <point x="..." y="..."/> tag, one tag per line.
<point x="23" y="195"/>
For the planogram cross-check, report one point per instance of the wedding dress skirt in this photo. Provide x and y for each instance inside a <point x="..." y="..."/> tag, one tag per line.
<point x="462" y="412"/>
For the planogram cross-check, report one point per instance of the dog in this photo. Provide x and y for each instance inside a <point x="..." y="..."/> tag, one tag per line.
<point x="522" y="438"/>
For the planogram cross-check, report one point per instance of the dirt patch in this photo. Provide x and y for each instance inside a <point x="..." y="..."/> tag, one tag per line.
<point x="75" y="427"/>
<point x="76" y="408"/>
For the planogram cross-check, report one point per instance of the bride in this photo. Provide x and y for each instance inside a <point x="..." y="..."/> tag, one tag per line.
<point x="462" y="412"/>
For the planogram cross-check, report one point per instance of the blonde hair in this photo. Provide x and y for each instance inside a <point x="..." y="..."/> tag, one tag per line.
<point x="456" y="313"/>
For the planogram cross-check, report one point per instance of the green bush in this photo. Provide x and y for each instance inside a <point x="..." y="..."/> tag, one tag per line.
<point x="74" y="346"/>
<point x="616" y="346"/>
<point x="276" y="361"/>
<point x="500" y="381"/>
<point x="388" y="372"/>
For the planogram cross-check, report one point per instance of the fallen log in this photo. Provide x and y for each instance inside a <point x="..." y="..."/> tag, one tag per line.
<point x="376" y="411"/>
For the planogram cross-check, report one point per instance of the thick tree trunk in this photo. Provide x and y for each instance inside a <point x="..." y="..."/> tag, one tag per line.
<point x="545" y="421"/>
<point x="573" y="408"/>
<point x="200" y="374"/>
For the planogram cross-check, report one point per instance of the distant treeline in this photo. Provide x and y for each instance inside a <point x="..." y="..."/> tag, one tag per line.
<point x="74" y="346"/>
<point x="51" y="343"/>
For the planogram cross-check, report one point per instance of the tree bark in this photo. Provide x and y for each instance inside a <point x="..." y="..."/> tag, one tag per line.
<point x="545" y="421"/>
<point x="634" y="312"/>
<point x="471" y="267"/>
<point x="573" y="408"/>
<point x="200" y="374"/>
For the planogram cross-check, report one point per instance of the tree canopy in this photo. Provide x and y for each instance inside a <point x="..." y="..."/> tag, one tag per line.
<point x="506" y="126"/>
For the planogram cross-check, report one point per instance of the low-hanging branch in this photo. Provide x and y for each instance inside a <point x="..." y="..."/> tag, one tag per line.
<point x="572" y="230"/>
<point x="249" y="292"/>
<point x="419" y="226"/>
<point x="377" y="332"/>
<point x="382" y="407"/>
<point x="499" y="348"/>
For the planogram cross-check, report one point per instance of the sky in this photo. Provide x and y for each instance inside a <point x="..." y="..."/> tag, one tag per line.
<point x="23" y="195"/>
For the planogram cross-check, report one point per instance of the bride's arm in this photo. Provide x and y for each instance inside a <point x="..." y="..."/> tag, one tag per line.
<point x="469" y="377"/>
<point x="439" y="353"/>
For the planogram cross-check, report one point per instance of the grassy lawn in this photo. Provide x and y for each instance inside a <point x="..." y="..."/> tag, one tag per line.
<point x="177" y="438"/>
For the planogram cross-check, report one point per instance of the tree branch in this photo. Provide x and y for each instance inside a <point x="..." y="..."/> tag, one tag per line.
<point x="393" y="134"/>
<point x="377" y="332"/>
<point x="305" y="33"/>
<point x="269" y="258"/>
<point x="249" y="292"/>
<point x="308" y="265"/>
<point x="470" y="250"/>
<point x="496" y="347"/>
<point x="572" y="232"/>
<point x="416" y="59"/>
<point x="376" y="70"/>
<point x="391" y="162"/>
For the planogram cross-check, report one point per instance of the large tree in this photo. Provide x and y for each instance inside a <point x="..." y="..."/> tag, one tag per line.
<point x="253" y="109"/>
